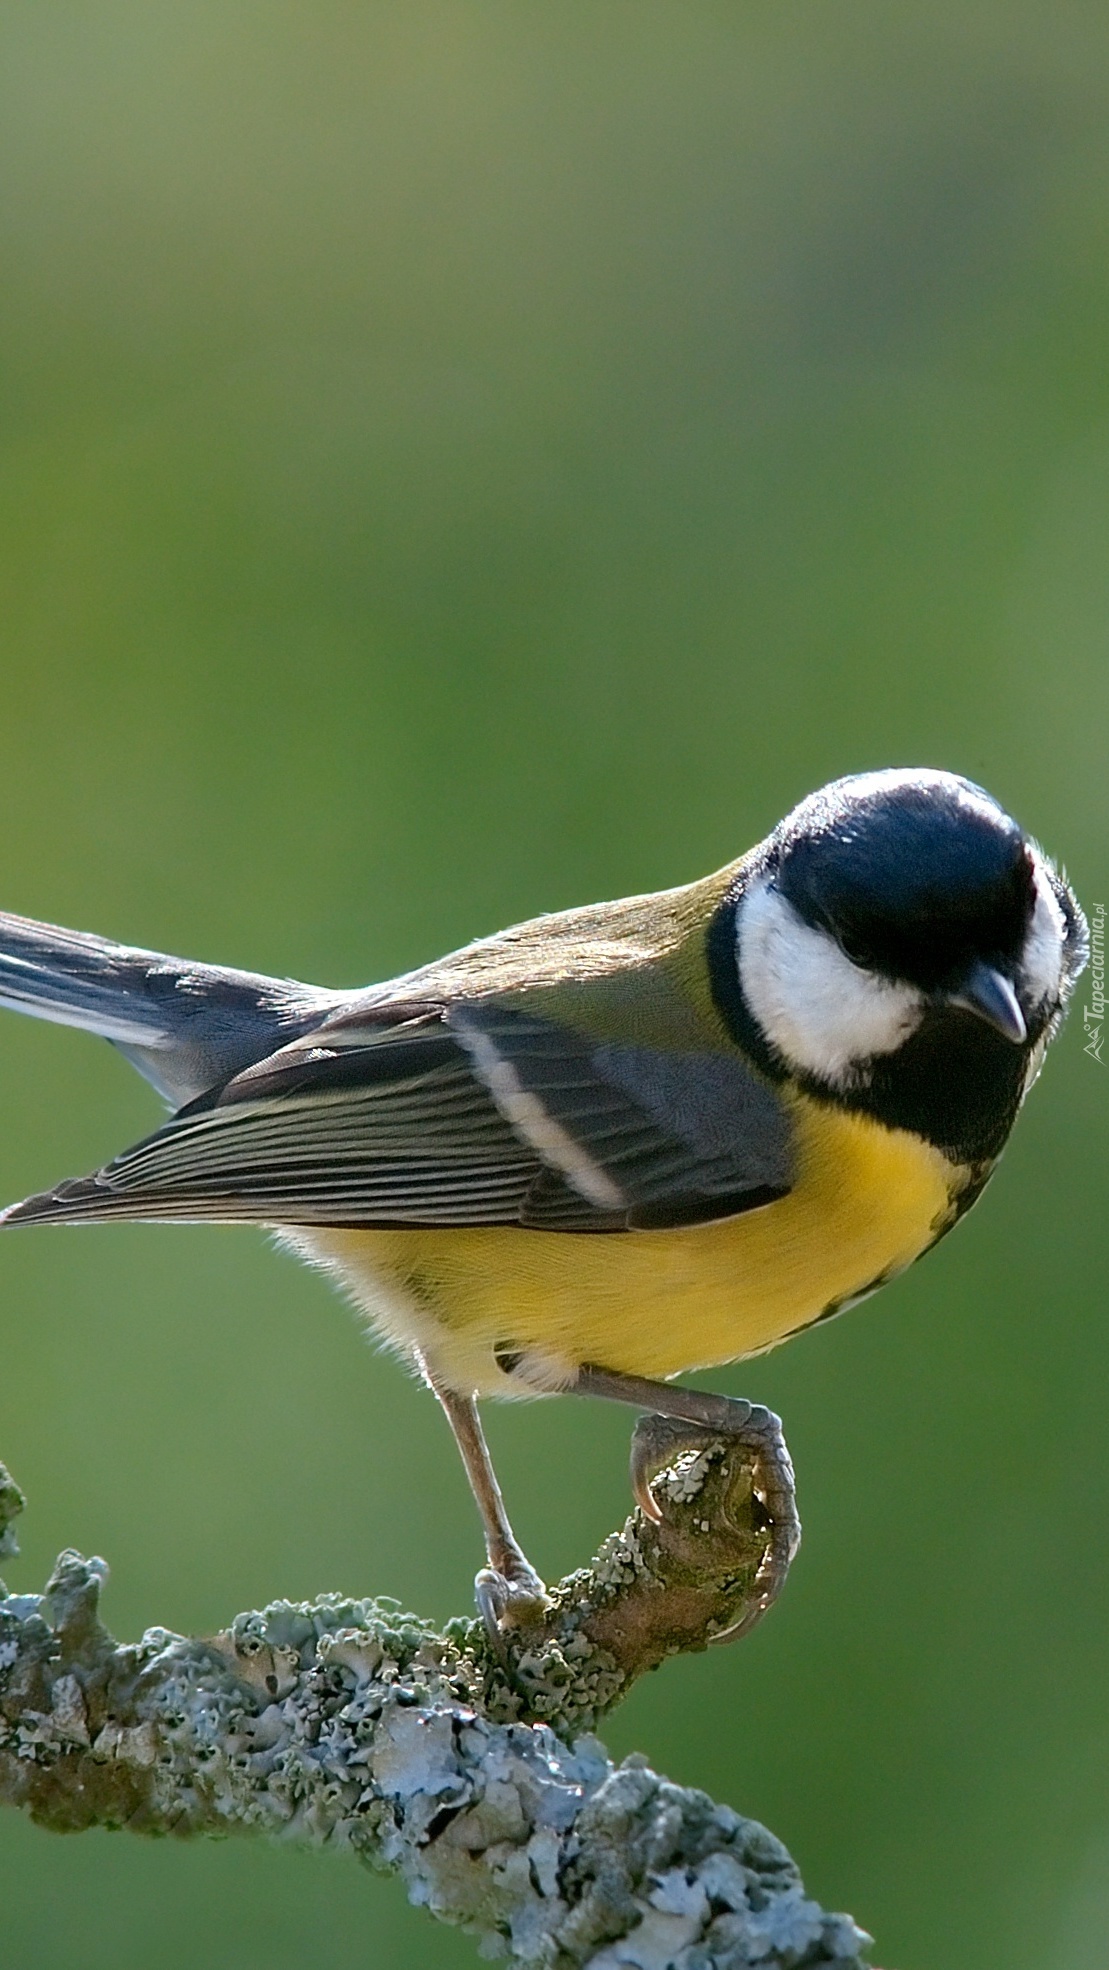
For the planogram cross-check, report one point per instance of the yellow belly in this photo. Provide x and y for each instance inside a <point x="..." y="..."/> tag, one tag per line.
<point x="866" y="1202"/>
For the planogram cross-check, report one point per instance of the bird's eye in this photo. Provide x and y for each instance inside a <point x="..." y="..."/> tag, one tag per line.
<point x="857" y="949"/>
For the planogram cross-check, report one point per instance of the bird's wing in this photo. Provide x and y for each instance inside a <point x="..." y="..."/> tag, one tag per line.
<point x="471" y="1114"/>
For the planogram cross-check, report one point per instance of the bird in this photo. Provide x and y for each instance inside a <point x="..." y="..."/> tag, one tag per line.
<point x="619" y="1143"/>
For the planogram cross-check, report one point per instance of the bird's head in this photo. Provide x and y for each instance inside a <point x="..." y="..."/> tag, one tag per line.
<point x="903" y="916"/>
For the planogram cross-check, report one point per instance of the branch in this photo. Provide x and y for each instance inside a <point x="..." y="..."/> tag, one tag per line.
<point x="352" y="1724"/>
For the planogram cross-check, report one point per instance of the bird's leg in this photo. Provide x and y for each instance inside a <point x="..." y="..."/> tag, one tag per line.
<point x="690" y="1418"/>
<point x="508" y="1589"/>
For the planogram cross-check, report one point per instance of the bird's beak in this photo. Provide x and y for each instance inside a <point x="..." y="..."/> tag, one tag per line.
<point x="988" y="994"/>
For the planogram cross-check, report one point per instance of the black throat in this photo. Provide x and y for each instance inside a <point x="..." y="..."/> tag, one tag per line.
<point x="955" y="1082"/>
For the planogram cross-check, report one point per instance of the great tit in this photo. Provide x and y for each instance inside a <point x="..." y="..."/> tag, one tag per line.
<point x="621" y="1142"/>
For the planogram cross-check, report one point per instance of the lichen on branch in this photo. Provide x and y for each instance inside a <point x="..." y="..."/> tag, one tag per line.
<point x="351" y="1724"/>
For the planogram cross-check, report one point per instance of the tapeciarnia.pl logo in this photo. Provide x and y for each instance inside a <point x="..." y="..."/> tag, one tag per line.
<point x="1093" y="1015"/>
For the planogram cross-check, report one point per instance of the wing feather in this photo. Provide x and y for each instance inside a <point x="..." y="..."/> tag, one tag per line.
<point x="476" y="1114"/>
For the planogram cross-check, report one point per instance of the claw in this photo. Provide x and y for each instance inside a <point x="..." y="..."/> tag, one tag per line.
<point x="491" y="1596"/>
<point x="509" y="1600"/>
<point x="642" y="1493"/>
<point x="656" y="1441"/>
<point x="774" y="1484"/>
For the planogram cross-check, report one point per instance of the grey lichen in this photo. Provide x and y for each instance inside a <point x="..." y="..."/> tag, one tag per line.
<point x="350" y="1724"/>
<point x="12" y="1502"/>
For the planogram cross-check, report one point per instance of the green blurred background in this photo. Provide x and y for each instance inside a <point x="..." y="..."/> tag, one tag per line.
<point x="458" y="461"/>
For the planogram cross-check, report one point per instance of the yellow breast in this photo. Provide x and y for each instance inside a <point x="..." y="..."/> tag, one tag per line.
<point x="867" y="1201"/>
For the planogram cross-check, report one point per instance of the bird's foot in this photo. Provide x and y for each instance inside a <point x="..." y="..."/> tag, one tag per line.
<point x="657" y="1440"/>
<point x="509" y="1596"/>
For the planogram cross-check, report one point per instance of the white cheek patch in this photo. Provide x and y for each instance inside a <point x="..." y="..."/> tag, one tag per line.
<point x="1041" y="961"/>
<point x="823" y="1014"/>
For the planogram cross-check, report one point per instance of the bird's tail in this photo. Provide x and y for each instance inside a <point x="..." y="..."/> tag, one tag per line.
<point x="187" y="1027"/>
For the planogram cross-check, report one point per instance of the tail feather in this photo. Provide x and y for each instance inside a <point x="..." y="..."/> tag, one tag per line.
<point x="78" y="980"/>
<point x="186" y="1027"/>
